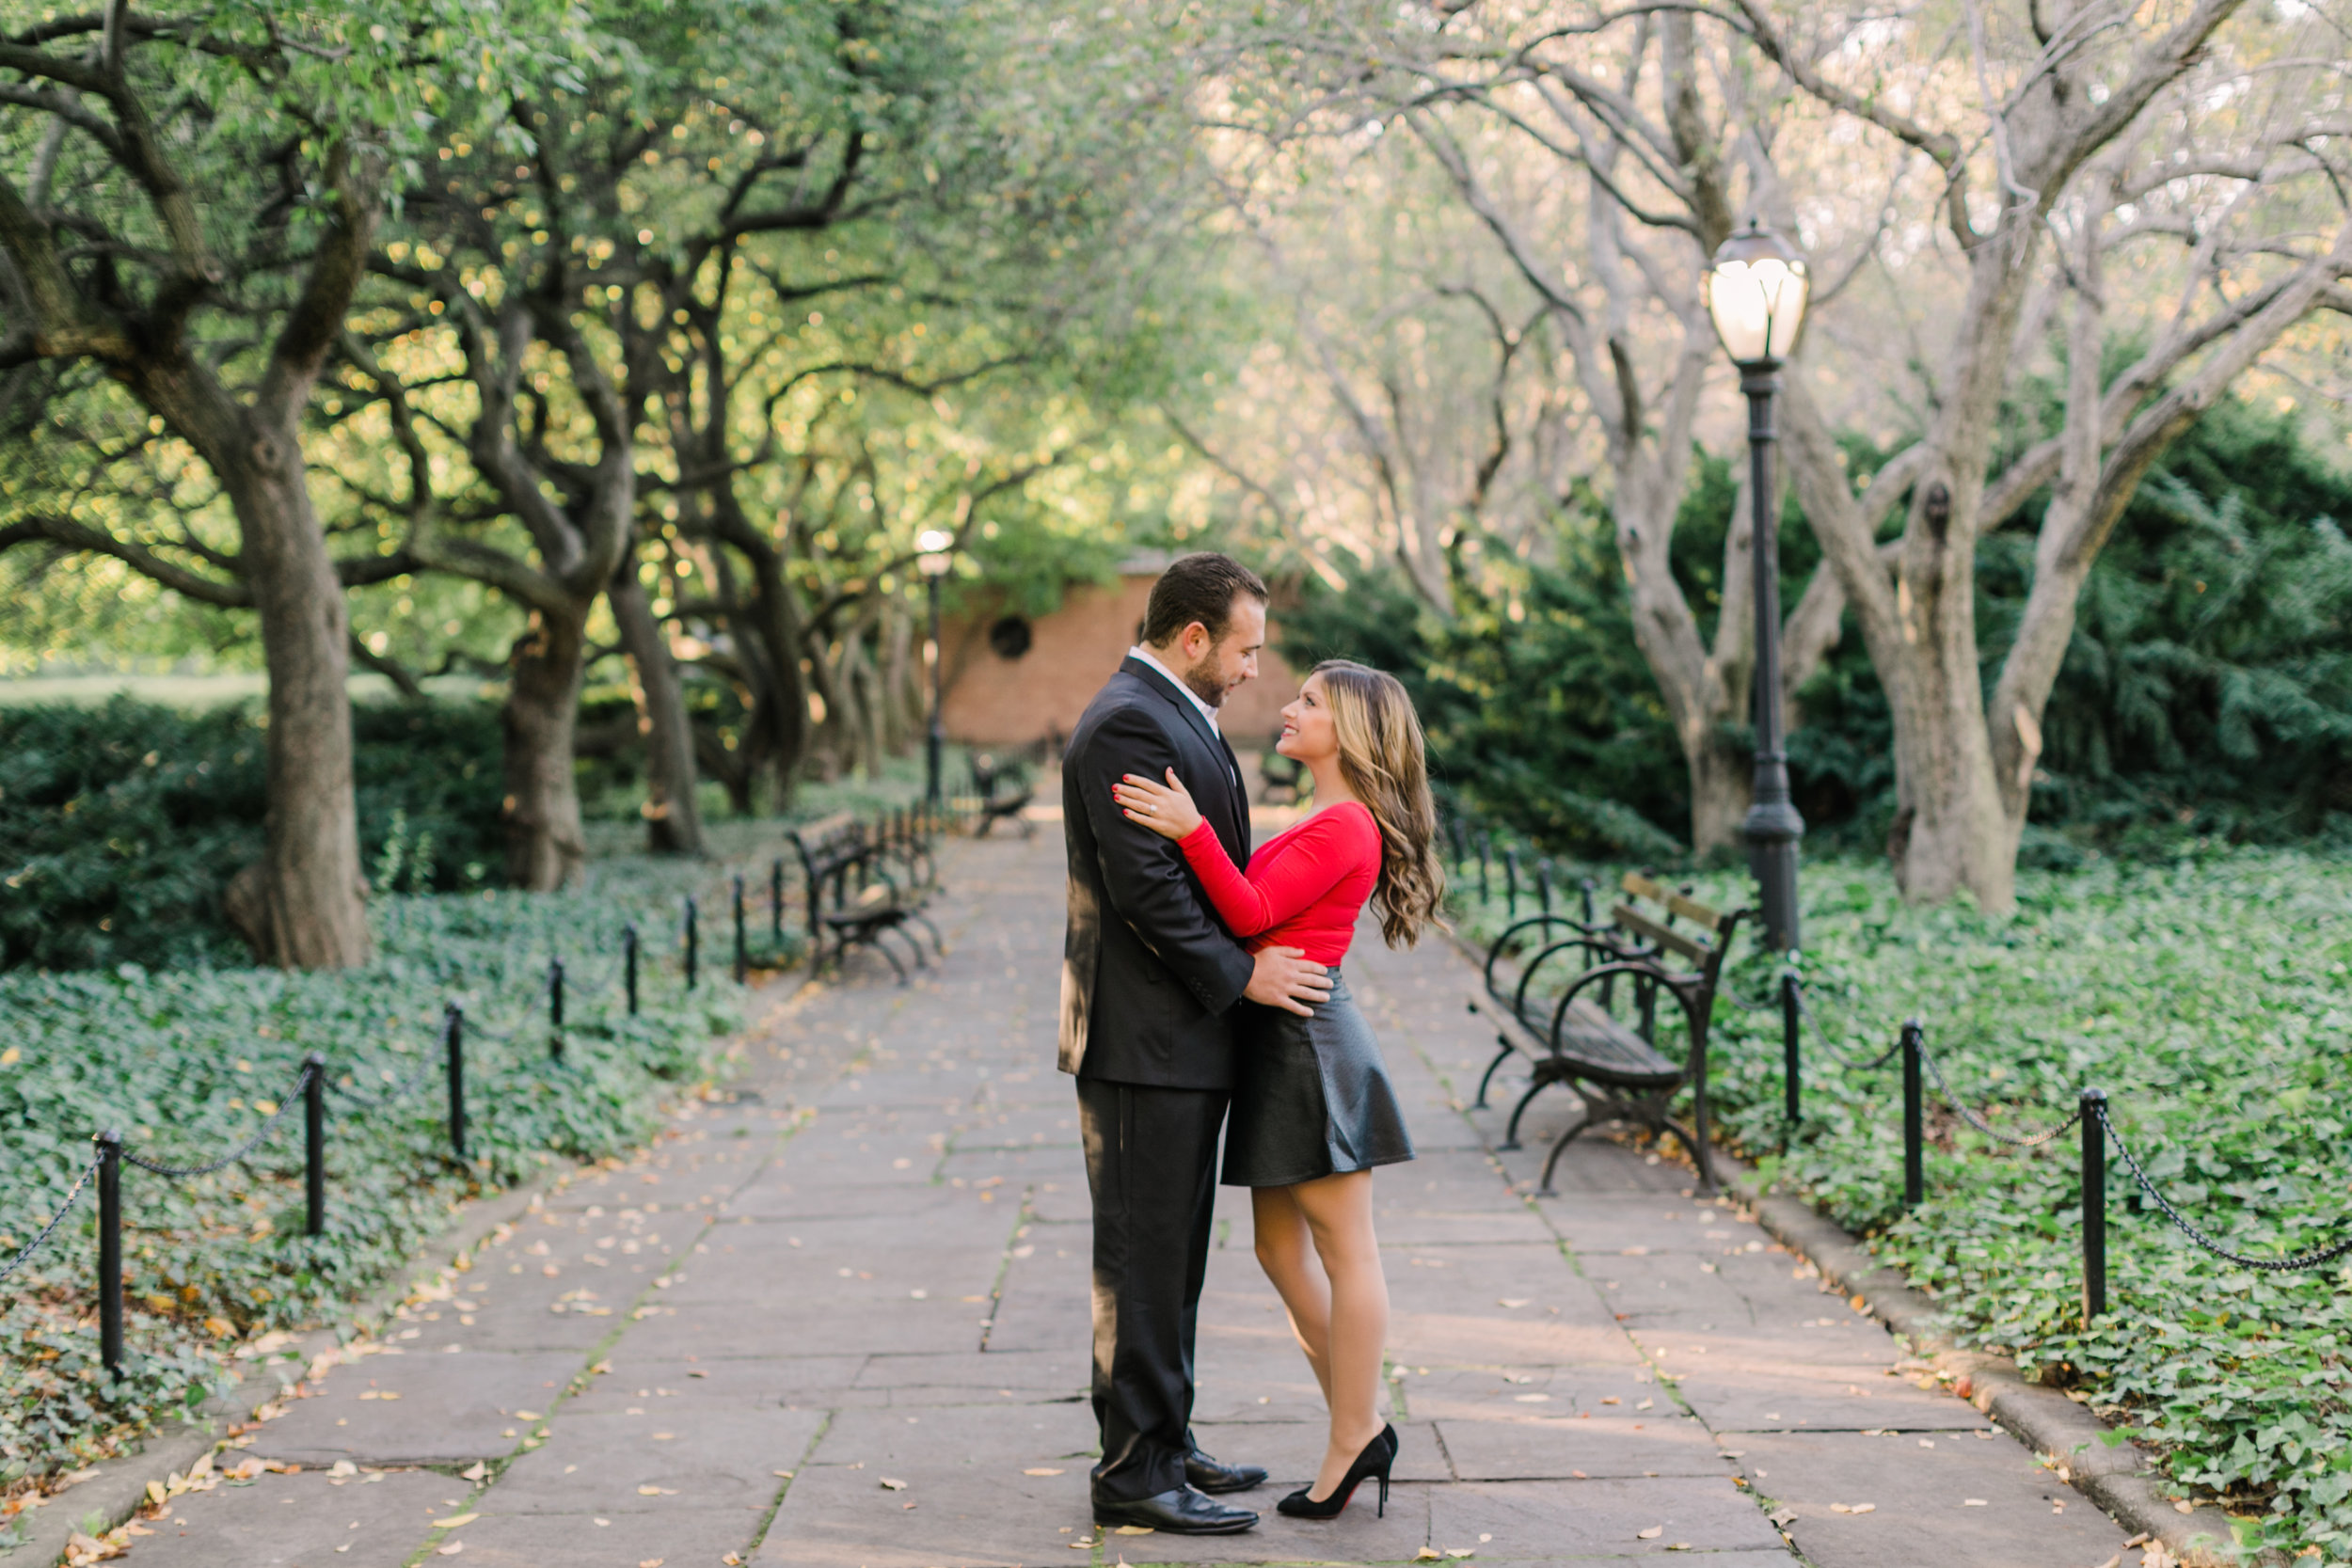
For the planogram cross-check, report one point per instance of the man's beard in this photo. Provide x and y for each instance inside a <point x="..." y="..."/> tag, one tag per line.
<point x="1204" y="686"/>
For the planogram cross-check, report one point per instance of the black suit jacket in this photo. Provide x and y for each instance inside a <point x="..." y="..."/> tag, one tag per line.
<point x="1150" y="976"/>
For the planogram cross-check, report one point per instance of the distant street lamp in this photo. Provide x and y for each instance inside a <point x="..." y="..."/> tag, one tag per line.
<point x="1756" y="290"/>
<point x="933" y="561"/>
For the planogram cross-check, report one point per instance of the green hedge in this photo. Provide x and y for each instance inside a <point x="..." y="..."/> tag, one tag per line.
<point x="184" y="1061"/>
<point x="121" y="825"/>
<point x="2207" y="996"/>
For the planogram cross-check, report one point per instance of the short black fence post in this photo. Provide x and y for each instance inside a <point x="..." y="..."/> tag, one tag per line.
<point x="1511" y="882"/>
<point x="629" y="964"/>
<point x="1543" y="882"/>
<point x="314" y="1142"/>
<point x="2094" y="1118"/>
<point x="694" y="940"/>
<point x="1584" y="889"/>
<point x="742" y="953"/>
<point x="1791" y="1001"/>
<point x="555" y="1008"/>
<point x="1485" y="857"/>
<point x="453" y="1041"/>
<point x="775" y="901"/>
<point x="110" y="1250"/>
<point x="1915" y="1114"/>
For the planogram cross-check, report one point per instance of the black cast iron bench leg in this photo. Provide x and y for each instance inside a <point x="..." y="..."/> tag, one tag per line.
<point x="1488" y="1076"/>
<point x="1511" y="1134"/>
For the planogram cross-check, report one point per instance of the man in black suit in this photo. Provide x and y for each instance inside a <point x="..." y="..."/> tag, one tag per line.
<point x="1149" y="980"/>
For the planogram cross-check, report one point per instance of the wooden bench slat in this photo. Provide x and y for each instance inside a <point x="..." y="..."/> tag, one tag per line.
<point x="1674" y="902"/>
<point x="1643" y="925"/>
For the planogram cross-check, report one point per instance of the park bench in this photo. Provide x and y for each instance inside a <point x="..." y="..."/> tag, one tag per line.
<point x="1284" y="779"/>
<point x="853" y="898"/>
<point x="1004" y="791"/>
<point x="1581" y="1006"/>
<point x="903" y="840"/>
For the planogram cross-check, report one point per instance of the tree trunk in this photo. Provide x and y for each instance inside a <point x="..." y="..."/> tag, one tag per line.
<point x="767" y="633"/>
<point x="673" y="819"/>
<point x="545" y="847"/>
<point x="315" y="913"/>
<point x="1722" y="779"/>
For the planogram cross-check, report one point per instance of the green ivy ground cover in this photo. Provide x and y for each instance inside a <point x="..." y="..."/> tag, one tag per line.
<point x="2209" y="997"/>
<point x="186" y="1063"/>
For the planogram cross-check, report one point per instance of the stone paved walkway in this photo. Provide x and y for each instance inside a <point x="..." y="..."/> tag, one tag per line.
<point x="841" y="1323"/>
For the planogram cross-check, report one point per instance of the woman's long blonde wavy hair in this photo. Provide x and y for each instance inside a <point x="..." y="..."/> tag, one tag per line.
<point x="1382" y="757"/>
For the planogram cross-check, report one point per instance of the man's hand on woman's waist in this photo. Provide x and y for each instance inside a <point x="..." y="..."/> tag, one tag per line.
<point x="1285" y="978"/>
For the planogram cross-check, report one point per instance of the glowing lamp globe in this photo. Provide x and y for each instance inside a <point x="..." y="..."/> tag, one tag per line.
<point x="933" y="546"/>
<point x="1756" y="290"/>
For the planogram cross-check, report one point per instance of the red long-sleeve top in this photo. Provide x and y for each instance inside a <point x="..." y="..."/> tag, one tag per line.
<point x="1304" y="888"/>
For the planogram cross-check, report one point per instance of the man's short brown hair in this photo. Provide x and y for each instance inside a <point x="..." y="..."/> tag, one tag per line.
<point x="1198" y="587"/>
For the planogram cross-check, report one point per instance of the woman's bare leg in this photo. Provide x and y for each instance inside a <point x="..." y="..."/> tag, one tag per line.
<point x="1286" y="1251"/>
<point x="1338" y="1211"/>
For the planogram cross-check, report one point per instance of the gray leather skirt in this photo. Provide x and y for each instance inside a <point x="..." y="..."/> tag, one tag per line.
<point x="1310" y="1097"/>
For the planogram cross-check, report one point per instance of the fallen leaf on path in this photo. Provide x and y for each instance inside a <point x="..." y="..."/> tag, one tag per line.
<point x="1650" y="1534"/>
<point x="785" y="1474"/>
<point x="474" y="1471"/>
<point x="342" y="1467"/>
<point x="526" y="1415"/>
<point x="451" y="1550"/>
<point x="892" y="1483"/>
<point x="1610" y="1399"/>
<point x="650" y="1563"/>
<point x="1133" y="1530"/>
<point x="1531" y="1398"/>
<point x="456" y="1520"/>
<point x="657" y="1491"/>
<point x="1512" y="1301"/>
<point x="1041" y="1470"/>
<point x="1973" y="1502"/>
<point x="1429" y="1554"/>
<point x="1644" y="1404"/>
<point x="1461" y="1551"/>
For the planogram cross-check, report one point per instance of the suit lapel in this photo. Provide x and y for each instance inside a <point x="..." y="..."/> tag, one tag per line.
<point x="1236" y="827"/>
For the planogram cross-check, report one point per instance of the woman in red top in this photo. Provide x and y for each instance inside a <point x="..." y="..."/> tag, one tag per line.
<point x="1313" y="1110"/>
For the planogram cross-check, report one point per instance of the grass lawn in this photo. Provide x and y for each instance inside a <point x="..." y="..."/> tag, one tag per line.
<point x="2208" y="996"/>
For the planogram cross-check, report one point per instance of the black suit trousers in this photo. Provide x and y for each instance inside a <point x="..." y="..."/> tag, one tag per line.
<point x="1152" y="1167"/>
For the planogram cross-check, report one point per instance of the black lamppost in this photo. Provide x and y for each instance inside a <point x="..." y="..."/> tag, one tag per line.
<point x="1756" y="290"/>
<point x="933" y="559"/>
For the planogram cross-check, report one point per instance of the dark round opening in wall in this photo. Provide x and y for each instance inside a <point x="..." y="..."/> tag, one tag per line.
<point x="1009" y="637"/>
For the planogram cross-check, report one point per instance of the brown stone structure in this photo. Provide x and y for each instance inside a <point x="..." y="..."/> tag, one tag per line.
<point x="1012" y="681"/>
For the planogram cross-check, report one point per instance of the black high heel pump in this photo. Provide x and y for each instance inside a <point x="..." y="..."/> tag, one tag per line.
<point x="1373" y="1464"/>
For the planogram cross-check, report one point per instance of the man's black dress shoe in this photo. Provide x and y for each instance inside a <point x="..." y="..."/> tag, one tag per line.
<point x="1209" y="1475"/>
<point x="1179" y="1510"/>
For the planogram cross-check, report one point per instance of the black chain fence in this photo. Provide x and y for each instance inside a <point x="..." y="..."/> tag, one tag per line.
<point x="2092" y="1117"/>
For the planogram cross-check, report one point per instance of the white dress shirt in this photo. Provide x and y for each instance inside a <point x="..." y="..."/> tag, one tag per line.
<point x="1140" y="652"/>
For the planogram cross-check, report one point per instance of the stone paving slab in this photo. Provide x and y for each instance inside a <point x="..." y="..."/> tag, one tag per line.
<point x="1569" y="1448"/>
<point x="417" y="1409"/>
<point x="1556" y="1520"/>
<point x="867" y="1262"/>
<point x="299" y="1520"/>
<point x="2021" y="1517"/>
<point x="605" y="1540"/>
<point x="662" y="1462"/>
